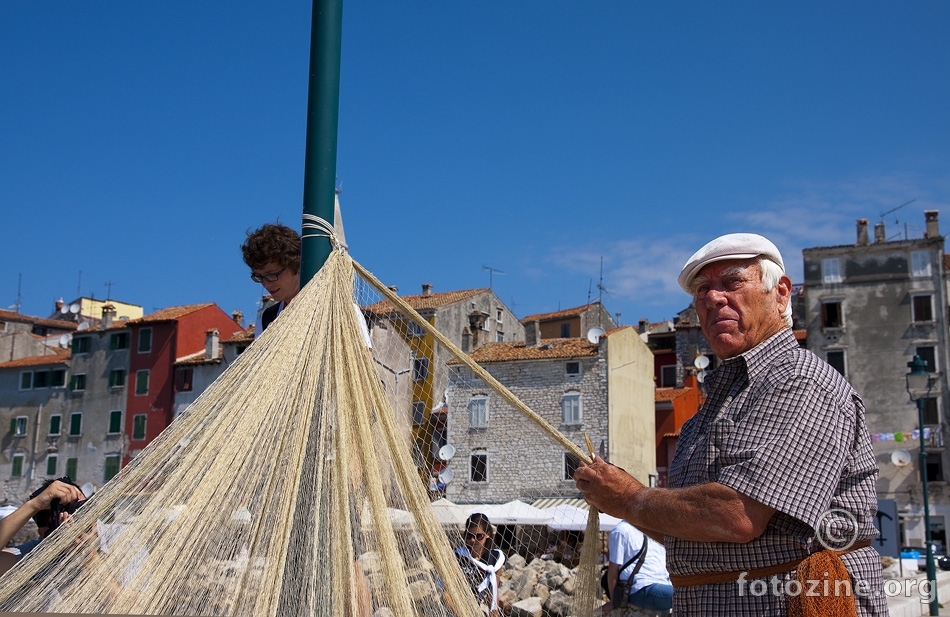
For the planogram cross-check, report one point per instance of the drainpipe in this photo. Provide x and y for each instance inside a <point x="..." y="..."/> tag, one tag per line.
<point x="323" y="106"/>
<point x="36" y="439"/>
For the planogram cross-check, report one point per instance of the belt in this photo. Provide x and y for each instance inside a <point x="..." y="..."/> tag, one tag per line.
<point x="711" y="578"/>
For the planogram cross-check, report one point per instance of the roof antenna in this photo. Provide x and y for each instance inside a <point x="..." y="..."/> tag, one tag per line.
<point x="491" y="271"/>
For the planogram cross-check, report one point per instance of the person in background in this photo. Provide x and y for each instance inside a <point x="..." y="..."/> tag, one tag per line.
<point x="480" y="561"/>
<point x="272" y="252"/>
<point x="39" y="508"/>
<point x="651" y="588"/>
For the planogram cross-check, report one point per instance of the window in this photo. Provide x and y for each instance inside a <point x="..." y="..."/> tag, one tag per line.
<point x="115" y="421"/>
<point x="138" y="426"/>
<point x="80" y="344"/>
<point x="18" y="426"/>
<point x="420" y="369"/>
<point x="478" y="412"/>
<point x="75" y="423"/>
<point x="418" y="413"/>
<point x="931" y="415"/>
<point x="77" y="383"/>
<point x="41" y="379"/>
<point x="922" y="308"/>
<point x="112" y="467"/>
<point x="17" y="470"/>
<point x="500" y="337"/>
<point x="183" y="379"/>
<point x="831" y="314"/>
<point x="573" y="369"/>
<point x="668" y="376"/>
<point x="145" y="340"/>
<point x="565" y="330"/>
<point x="72" y="468"/>
<point x="571" y="408"/>
<point x="478" y="466"/>
<point x="830" y="270"/>
<point x="415" y="329"/>
<point x="57" y="378"/>
<point x="26" y="380"/>
<point x="499" y="313"/>
<point x="119" y="340"/>
<point x="928" y="355"/>
<point x="51" y="461"/>
<point x="571" y="463"/>
<point x="55" y="424"/>
<point x="934" y="467"/>
<point x="141" y="383"/>
<point x="920" y="263"/>
<point x="117" y="378"/>
<point x="836" y="360"/>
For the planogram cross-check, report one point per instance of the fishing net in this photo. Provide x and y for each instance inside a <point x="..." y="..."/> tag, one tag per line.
<point x="318" y="476"/>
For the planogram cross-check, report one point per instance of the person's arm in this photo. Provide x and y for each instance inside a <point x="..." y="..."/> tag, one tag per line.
<point x="10" y="525"/>
<point x="709" y="512"/>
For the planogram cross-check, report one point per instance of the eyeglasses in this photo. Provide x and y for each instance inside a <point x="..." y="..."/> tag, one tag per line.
<point x="475" y="536"/>
<point x="267" y="278"/>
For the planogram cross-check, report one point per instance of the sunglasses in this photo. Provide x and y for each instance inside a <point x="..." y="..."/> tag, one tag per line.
<point x="267" y="278"/>
<point x="475" y="536"/>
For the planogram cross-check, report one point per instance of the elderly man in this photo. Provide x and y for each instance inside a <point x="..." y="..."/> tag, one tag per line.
<point x="774" y="471"/>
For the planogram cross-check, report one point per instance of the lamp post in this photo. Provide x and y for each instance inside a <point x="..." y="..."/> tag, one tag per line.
<point x="919" y="384"/>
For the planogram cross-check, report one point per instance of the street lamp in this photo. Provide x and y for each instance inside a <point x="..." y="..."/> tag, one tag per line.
<point x="919" y="384"/>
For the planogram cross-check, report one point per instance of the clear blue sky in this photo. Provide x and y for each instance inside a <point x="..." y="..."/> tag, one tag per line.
<point x="140" y="140"/>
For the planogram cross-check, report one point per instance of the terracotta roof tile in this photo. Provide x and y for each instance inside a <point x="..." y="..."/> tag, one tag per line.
<point x="199" y="358"/>
<point x="171" y="313"/>
<point x="571" y="312"/>
<point x="549" y="349"/>
<point x="424" y="302"/>
<point x="242" y="336"/>
<point x="801" y="334"/>
<point x="58" y="356"/>
<point x="668" y="394"/>
<point x="616" y="330"/>
<point x="39" y="321"/>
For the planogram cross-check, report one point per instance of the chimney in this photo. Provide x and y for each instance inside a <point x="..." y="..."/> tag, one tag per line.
<point x="879" y="234"/>
<point x="59" y="305"/>
<point x="238" y="318"/>
<point x="862" y="232"/>
<point x="212" y="337"/>
<point x="690" y="380"/>
<point x="427" y="289"/>
<point x="532" y="333"/>
<point x="933" y="226"/>
<point x="108" y="314"/>
<point x="642" y="326"/>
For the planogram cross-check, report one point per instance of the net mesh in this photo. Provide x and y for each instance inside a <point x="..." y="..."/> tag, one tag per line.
<point x="316" y="477"/>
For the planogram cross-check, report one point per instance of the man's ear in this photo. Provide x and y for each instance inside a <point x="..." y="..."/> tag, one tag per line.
<point x="784" y="289"/>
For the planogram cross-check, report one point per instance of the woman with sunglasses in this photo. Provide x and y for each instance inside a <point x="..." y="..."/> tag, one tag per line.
<point x="480" y="562"/>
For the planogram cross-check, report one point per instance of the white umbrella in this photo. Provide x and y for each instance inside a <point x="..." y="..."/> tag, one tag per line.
<point x="513" y="513"/>
<point x="449" y="513"/>
<point x="571" y="518"/>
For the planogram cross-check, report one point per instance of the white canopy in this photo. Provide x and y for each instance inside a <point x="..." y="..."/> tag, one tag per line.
<point x="571" y="518"/>
<point x="449" y="513"/>
<point x="513" y="513"/>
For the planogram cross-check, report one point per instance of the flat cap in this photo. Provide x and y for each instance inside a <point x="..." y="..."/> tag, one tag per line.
<point x="729" y="246"/>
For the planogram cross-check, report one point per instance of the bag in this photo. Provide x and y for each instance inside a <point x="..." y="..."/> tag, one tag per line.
<point x="622" y="588"/>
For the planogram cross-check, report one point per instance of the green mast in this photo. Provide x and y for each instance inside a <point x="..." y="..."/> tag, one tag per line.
<point x="323" y="108"/>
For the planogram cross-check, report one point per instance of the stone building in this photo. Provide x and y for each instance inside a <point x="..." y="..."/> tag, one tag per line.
<point x="603" y="390"/>
<point x="870" y="307"/>
<point x="567" y="323"/>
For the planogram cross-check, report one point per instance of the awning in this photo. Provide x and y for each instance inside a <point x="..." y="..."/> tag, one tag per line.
<point x="513" y="513"/>
<point x="550" y="502"/>
<point x="565" y="517"/>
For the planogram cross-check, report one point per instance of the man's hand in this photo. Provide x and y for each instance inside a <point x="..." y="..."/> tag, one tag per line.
<point x="66" y="493"/>
<point x="606" y="487"/>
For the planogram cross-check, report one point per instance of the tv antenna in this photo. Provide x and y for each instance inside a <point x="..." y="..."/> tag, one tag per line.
<point x="109" y="285"/>
<point x="601" y="290"/>
<point x="906" y="203"/>
<point x="491" y="271"/>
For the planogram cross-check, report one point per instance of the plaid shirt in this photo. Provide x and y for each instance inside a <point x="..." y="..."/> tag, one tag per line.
<point x="785" y="429"/>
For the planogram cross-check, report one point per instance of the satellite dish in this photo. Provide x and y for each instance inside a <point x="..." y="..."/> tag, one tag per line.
<point x="74" y="308"/>
<point x="446" y="452"/>
<point x="88" y="489"/>
<point x="64" y="309"/>
<point x="701" y="376"/>
<point x="701" y="362"/>
<point x="594" y="334"/>
<point x="82" y="326"/>
<point x="901" y="458"/>
<point x="446" y="476"/>
<point x="64" y="341"/>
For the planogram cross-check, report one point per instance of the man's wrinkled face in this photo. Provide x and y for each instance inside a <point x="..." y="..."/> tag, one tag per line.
<point x="735" y="313"/>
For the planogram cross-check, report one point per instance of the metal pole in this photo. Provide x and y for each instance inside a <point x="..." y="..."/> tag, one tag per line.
<point x="931" y="567"/>
<point x="323" y="106"/>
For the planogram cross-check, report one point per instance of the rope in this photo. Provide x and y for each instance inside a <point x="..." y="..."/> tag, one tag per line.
<point x="324" y="228"/>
